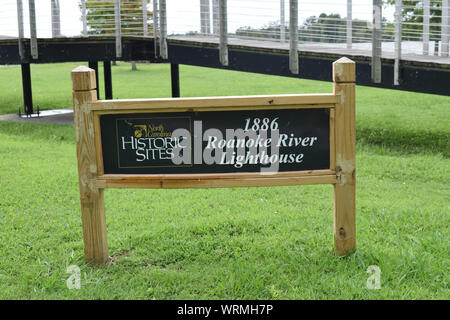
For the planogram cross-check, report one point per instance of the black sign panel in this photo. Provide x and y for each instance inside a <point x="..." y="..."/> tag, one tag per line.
<point x="216" y="141"/>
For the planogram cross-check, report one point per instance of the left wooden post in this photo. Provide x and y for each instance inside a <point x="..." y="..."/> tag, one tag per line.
<point x="91" y="197"/>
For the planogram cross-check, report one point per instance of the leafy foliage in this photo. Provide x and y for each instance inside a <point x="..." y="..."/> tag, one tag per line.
<point x="329" y="28"/>
<point x="101" y="17"/>
<point x="412" y="18"/>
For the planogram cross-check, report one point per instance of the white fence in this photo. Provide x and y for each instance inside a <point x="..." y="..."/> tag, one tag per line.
<point x="418" y="27"/>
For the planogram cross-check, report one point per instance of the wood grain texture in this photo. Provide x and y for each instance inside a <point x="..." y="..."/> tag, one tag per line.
<point x="344" y="218"/>
<point x="192" y="182"/>
<point x="98" y="144"/>
<point x="219" y="103"/>
<point x="91" y="197"/>
<point x="209" y="176"/>
<point x="344" y="70"/>
<point x="332" y="140"/>
<point x="83" y="79"/>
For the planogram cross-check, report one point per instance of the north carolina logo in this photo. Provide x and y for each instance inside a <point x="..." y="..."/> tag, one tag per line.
<point x="150" y="131"/>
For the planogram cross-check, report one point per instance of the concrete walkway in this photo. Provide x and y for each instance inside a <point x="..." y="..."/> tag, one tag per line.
<point x="59" y="116"/>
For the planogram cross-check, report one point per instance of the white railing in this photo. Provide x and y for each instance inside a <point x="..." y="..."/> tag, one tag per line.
<point x="322" y="24"/>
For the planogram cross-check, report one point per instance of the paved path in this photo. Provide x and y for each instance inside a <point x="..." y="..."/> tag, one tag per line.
<point x="60" y="116"/>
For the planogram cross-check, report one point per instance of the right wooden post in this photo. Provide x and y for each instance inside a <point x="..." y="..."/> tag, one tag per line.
<point x="344" y="217"/>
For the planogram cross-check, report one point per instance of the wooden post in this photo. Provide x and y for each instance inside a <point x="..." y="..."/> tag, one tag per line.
<point x="293" y="36"/>
<point x="91" y="197"/>
<point x="426" y="26"/>
<point x="223" y="30"/>
<point x="344" y="222"/>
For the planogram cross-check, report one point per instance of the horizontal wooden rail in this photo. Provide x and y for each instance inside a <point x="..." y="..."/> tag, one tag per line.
<point x="206" y="176"/>
<point x="213" y="103"/>
<point x="196" y="181"/>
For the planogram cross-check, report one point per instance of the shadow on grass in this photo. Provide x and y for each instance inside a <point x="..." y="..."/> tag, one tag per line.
<point x="397" y="140"/>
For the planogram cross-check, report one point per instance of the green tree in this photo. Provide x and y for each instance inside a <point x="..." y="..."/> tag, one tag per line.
<point x="100" y="17"/>
<point x="412" y="18"/>
<point x="328" y="28"/>
<point x="268" y="31"/>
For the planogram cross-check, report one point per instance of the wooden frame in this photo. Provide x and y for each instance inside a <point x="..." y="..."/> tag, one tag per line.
<point x="92" y="180"/>
<point x="102" y="107"/>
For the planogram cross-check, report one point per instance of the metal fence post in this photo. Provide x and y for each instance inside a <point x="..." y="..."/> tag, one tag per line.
<point x="349" y="24"/>
<point x="20" y="26"/>
<point x="107" y="76"/>
<point x="282" y="22"/>
<point x="445" y="29"/>
<point x="33" y="32"/>
<point x="398" y="41"/>
<point x="215" y="16"/>
<point x="94" y="66"/>
<point x="205" y="23"/>
<point x="175" y="80"/>
<point x="376" y="42"/>
<point x="118" y="28"/>
<point x="163" y="29"/>
<point x="144" y="18"/>
<point x="156" y="26"/>
<point x="223" y="28"/>
<point x="56" y="18"/>
<point x="84" y="17"/>
<point x="293" y="36"/>
<point x="26" y="88"/>
<point x="426" y="26"/>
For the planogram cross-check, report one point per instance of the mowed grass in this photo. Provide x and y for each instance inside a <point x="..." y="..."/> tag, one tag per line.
<point x="249" y="243"/>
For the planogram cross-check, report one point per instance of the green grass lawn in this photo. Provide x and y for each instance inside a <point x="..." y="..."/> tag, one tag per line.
<point x="250" y="243"/>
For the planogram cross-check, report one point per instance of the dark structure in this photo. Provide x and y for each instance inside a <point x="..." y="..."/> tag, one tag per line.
<point x="419" y="75"/>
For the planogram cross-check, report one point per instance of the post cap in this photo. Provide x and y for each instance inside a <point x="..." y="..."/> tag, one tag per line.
<point x="83" y="79"/>
<point x="344" y="70"/>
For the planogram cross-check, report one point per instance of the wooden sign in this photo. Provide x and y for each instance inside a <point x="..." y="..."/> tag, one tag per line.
<point x="144" y="143"/>
<point x="215" y="142"/>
